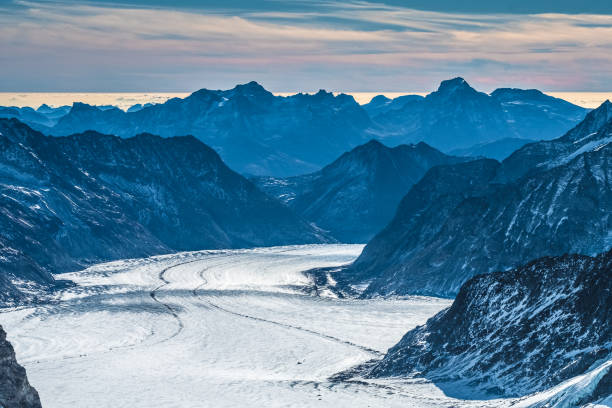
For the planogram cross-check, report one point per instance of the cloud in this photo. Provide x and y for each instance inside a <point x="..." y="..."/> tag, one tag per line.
<point x="356" y="46"/>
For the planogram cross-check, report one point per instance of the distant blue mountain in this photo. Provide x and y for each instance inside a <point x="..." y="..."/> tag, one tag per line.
<point x="258" y="133"/>
<point x="355" y="196"/>
<point x="457" y="116"/>
<point x="43" y="117"/>
<point x="254" y="131"/>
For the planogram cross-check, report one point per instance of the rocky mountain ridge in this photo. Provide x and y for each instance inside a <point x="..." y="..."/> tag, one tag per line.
<point x="517" y="332"/>
<point x="482" y="216"/>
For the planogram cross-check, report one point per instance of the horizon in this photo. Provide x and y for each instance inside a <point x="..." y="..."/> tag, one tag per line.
<point x="124" y="100"/>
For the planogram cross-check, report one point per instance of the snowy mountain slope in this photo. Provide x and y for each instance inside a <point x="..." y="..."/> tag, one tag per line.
<point x="594" y="386"/>
<point x="460" y="220"/>
<point x="518" y="332"/>
<point x="54" y="216"/>
<point x="70" y="201"/>
<point x="355" y="196"/>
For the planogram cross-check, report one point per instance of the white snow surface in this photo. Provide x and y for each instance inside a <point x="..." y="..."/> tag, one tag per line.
<point x="228" y="328"/>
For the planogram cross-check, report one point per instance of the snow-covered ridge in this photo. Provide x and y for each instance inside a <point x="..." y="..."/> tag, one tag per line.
<point x="546" y="324"/>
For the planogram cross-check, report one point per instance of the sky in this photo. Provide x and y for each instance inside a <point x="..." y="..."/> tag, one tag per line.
<point x="303" y="45"/>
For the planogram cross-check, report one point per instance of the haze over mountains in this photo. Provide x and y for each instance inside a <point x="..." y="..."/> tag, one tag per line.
<point x="258" y="133"/>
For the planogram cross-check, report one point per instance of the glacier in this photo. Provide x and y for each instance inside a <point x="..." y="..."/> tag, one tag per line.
<point x="219" y="328"/>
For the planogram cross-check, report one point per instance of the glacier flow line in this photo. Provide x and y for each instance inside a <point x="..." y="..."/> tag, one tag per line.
<point x="165" y="282"/>
<point x="273" y="322"/>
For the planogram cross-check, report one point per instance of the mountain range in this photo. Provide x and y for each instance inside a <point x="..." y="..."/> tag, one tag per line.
<point x="518" y="332"/>
<point x="356" y="195"/>
<point x="45" y="116"/>
<point x="66" y="202"/>
<point x="258" y="133"/>
<point x="548" y="198"/>
<point x="254" y="131"/>
<point x="458" y="116"/>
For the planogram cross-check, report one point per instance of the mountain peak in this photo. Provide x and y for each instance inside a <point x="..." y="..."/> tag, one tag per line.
<point x="452" y="85"/>
<point x="251" y="88"/>
<point x="82" y="107"/>
<point x="323" y="94"/>
<point x="44" y="108"/>
<point x="604" y="111"/>
<point x="372" y="144"/>
<point x="593" y="122"/>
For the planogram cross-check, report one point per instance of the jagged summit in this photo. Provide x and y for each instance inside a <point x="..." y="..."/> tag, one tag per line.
<point x="259" y="133"/>
<point x="251" y="89"/>
<point x="451" y="86"/>
<point x="593" y="121"/>
<point x="82" y="107"/>
<point x="44" y="108"/>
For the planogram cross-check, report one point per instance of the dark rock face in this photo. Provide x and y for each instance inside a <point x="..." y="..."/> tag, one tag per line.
<point x="457" y="116"/>
<point x="261" y="134"/>
<point x="516" y="332"/>
<point x="479" y="217"/>
<point x="71" y="201"/>
<point x="15" y="391"/>
<point x="356" y="196"/>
